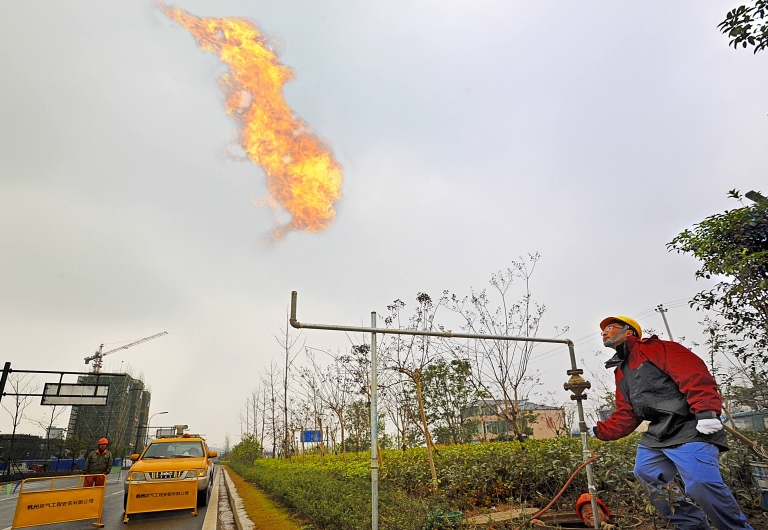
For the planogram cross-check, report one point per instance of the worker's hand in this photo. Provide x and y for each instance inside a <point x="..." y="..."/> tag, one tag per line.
<point x="709" y="426"/>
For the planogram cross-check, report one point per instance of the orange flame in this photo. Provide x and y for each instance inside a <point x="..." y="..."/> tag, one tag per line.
<point x="302" y="174"/>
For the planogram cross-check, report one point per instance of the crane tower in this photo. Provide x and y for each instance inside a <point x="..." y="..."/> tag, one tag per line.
<point x="98" y="357"/>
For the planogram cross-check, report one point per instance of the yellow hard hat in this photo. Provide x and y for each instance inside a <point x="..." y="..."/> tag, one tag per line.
<point x="624" y="320"/>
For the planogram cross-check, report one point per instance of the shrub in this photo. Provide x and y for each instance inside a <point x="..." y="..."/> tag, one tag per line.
<point x="247" y="451"/>
<point x="337" y="495"/>
<point x="333" y="500"/>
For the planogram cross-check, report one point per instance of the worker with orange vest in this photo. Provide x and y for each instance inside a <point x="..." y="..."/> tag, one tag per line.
<point x="98" y="464"/>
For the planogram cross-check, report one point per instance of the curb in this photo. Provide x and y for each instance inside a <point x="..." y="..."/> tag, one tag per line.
<point x="212" y="515"/>
<point x="241" y="518"/>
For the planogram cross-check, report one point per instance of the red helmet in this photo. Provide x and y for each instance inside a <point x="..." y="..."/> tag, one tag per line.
<point x="103" y="441"/>
<point x="585" y="499"/>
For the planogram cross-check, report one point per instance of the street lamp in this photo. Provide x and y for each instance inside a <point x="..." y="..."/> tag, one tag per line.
<point x="146" y="433"/>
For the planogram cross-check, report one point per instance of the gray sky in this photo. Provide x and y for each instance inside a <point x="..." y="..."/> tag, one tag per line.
<point x="470" y="133"/>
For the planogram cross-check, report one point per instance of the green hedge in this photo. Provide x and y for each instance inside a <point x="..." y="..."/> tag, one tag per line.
<point x="336" y="495"/>
<point x="332" y="500"/>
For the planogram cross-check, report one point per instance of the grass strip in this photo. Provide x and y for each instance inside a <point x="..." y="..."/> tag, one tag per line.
<point x="265" y="513"/>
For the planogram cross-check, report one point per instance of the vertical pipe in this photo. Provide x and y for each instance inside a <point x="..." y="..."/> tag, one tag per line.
<point x="585" y="444"/>
<point x="3" y="379"/>
<point x="374" y="431"/>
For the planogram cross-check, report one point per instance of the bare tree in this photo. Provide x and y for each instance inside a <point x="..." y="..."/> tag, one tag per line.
<point x="254" y="402"/>
<point x="410" y="355"/>
<point x="19" y="385"/>
<point x="302" y="417"/>
<point x="500" y="367"/>
<point x="270" y="382"/>
<point x="46" y="424"/>
<point x="602" y="398"/>
<point x="227" y="444"/>
<point x="313" y="382"/>
<point x="333" y="387"/>
<point x="264" y="408"/>
<point x="288" y="343"/>
<point x="400" y="409"/>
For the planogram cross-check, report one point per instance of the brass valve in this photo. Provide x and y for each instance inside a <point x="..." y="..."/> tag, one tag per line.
<point x="577" y="384"/>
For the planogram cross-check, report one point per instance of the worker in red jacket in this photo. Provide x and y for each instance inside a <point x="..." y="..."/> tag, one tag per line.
<point x="670" y="386"/>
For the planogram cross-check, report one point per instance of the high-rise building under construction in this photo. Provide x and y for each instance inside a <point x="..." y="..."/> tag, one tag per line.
<point x="123" y="420"/>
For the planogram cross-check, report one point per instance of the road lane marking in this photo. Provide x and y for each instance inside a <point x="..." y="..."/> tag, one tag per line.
<point x="212" y="511"/>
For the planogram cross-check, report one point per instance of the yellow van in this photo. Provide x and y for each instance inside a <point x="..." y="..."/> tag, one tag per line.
<point x="168" y="458"/>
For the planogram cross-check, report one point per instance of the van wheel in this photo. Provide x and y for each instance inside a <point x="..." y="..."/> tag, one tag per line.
<point x="125" y="501"/>
<point x="202" y="497"/>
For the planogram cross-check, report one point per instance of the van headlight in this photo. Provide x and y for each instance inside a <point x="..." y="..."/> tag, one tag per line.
<point x="137" y="477"/>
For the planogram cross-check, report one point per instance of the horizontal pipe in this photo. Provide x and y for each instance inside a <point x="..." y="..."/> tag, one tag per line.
<point x="100" y="374"/>
<point x="390" y="331"/>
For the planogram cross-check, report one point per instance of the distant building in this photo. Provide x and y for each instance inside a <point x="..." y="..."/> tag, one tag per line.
<point x="123" y="420"/>
<point x="25" y="447"/>
<point x="543" y="420"/>
<point x="751" y="420"/>
<point x="55" y="433"/>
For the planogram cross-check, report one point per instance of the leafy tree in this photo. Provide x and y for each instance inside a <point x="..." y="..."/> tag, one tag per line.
<point x="744" y="386"/>
<point x="734" y="246"/>
<point x="76" y="445"/>
<point x="747" y="25"/>
<point x="247" y="451"/>
<point x="448" y="394"/>
<point x="357" y="418"/>
<point x="750" y="396"/>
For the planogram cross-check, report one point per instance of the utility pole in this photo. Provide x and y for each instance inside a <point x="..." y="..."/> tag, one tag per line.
<point x="660" y="309"/>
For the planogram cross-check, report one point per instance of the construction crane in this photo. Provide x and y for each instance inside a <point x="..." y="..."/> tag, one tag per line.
<point x="100" y="354"/>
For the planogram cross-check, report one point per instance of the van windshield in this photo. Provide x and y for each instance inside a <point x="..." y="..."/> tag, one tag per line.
<point x="174" y="450"/>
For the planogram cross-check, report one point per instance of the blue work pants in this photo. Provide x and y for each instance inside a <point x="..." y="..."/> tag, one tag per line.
<point x="697" y="464"/>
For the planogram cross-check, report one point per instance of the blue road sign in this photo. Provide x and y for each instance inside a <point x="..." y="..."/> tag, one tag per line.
<point x="313" y="436"/>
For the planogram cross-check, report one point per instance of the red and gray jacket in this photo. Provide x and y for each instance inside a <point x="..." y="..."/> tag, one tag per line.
<point x="666" y="384"/>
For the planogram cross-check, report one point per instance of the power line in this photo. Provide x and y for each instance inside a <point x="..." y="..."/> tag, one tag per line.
<point x="593" y="336"/>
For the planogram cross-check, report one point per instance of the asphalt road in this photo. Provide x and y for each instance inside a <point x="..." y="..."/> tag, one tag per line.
<point x="112" y="516"/>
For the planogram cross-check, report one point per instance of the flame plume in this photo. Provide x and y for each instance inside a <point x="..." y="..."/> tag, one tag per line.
<point x="302" y="174"/>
